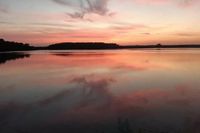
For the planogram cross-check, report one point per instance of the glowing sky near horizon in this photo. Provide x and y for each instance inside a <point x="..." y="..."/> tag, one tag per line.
<point x="43" y="22"/>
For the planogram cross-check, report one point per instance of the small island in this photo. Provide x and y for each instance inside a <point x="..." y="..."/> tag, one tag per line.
<point x="15" y="46"/>
<point x="84" y="46"/>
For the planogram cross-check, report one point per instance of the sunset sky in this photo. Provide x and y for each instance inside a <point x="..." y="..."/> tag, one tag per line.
<point x="42" y="22"/>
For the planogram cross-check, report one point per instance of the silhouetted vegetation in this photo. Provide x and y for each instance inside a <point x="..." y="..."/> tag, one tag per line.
<point x="14" y="46"/>
<point x="4" y="57"/>
<point x="95" y="45"/>
<point x="160" y="46"/>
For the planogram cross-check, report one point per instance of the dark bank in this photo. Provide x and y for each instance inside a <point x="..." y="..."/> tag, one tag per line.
<point x="15" y="46"/>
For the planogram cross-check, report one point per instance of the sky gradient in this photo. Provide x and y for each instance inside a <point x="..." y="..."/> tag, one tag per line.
<point x="42" y="22"/>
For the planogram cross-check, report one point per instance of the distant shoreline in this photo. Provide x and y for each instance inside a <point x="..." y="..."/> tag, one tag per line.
<point x="15" y="46"/>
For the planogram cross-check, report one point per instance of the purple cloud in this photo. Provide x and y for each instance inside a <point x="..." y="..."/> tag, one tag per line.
<point x="84" y="7"/>
<point x="187" y="3"/>
<point x="3" y="9"/>
<point x="62" y="2"/>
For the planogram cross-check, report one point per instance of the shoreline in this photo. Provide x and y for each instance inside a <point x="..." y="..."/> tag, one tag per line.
<point x="6" y="46"/>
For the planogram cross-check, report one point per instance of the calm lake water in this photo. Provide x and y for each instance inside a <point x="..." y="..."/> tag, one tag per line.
<point x="122" y="91"/>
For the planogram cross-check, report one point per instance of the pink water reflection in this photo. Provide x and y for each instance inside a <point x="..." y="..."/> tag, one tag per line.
<point x="74" y="91"/>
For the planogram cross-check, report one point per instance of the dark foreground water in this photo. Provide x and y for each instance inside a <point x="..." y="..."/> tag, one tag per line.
<point x="144" y="91"/>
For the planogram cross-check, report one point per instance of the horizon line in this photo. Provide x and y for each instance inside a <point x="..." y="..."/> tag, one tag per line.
<point x="150" y="44"/>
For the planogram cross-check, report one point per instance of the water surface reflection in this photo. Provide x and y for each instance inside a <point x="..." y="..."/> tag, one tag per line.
<point x="101" y="92"/>
<point x="4" y="57"/>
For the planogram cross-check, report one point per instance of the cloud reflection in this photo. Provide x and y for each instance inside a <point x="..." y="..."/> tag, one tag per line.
<point x="65" y="93"/>
<point x="90" y="88"/>
<point x="97" y="103"/>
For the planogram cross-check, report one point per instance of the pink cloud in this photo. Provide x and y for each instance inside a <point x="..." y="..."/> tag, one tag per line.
<point x="41" y="37"/>
<point x="180" y="3"/>
<point x="153" y="1"/>
<point x="188" y="3"/>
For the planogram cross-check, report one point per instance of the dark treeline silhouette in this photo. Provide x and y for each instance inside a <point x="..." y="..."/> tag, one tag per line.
<point x="4" y="57"/>
<point x="14" y="46"/>
<point x="161" y="46"/>
<point x="88" y="45"/>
